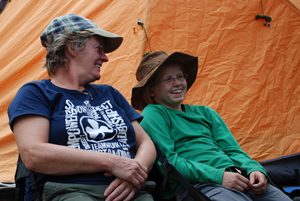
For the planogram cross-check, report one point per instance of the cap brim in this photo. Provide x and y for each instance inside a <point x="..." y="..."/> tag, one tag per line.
<point x="189" y="63"/>
<point x="113" y="41"/>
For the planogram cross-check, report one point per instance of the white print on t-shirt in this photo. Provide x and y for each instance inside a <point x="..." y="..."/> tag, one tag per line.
<point x="96" y="128"/>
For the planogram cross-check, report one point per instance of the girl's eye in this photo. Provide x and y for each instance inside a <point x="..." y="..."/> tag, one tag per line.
<point x="179" y="77"/>
<point x="168" y="80"/>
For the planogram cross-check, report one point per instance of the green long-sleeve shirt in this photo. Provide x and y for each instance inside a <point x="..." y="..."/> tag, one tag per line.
<point x="197" y="142"/>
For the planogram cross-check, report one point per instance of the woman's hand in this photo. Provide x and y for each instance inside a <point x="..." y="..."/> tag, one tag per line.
<point x="129" y="170"/>
<point x="120" y="190"/>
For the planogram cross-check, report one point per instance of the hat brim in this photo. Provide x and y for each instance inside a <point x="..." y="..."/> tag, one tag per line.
<point x="189" y="64"/>
<point x="113" y="41"/>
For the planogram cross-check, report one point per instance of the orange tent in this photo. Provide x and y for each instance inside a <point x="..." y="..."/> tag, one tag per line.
<point x="249" y="73"/>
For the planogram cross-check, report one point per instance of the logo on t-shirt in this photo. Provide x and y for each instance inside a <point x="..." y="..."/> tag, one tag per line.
<point x="96" y="128"/>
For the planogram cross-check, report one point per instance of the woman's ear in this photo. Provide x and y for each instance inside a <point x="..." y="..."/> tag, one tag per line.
<point x="71" y="50"/>
<point x="150" y="92"/>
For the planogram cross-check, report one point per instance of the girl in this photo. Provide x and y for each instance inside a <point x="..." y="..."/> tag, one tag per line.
<point x="194" y="138"/>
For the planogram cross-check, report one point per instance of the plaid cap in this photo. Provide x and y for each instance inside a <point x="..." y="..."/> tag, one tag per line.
<point x="70" y="23"/>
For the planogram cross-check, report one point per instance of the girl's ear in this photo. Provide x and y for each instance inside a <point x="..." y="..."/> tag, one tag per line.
<point x="150" y="92"/>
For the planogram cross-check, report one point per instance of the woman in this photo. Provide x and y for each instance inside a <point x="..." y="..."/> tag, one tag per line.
<point x="194" y="138"/>
<point x="82" y="140"/>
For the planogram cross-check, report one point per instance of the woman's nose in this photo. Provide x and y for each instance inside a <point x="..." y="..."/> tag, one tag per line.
<point x="104" y="58"/>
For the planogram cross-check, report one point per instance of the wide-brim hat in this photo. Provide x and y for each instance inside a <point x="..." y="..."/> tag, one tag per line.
<point x="150" y="65"/>
<point x="70" y="23"/>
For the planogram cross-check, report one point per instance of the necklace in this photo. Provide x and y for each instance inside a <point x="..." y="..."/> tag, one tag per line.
<point x="87" y="93"/>
<point x="85" y="89"/>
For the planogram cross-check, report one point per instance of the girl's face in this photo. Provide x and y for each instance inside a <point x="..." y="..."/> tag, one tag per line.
<point x="169" y="86"/>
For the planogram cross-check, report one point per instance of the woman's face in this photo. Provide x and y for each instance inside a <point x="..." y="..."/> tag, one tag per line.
<point x="170" y="87"/>
<point x="90" y="60"/>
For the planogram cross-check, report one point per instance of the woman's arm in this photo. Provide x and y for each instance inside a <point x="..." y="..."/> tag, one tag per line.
<point x="145" y="155"/>
<point x="32" y="133"/>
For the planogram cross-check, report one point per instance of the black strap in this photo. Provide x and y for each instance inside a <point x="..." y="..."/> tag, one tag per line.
<point x="192" y="191"/>
<point x="21" y="173"/>
<point x="33" y="189"/>
<point x="20" y="176"/>
<point x="297" y="175"/>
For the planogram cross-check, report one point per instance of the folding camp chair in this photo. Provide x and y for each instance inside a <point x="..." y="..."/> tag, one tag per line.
<point x="284" y="173"/>
<point x="7" y="191"/>
<point x="11" y="191"/>
<point x="160" y="180"/>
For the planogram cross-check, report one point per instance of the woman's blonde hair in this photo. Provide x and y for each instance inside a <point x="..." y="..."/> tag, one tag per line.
<point x="56" y="52"/>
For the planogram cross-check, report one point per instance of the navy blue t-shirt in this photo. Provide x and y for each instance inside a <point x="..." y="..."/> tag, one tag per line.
<point x="101" y="125"/>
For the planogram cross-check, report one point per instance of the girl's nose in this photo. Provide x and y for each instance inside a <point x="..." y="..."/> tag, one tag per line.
<point x="176" y="81"/>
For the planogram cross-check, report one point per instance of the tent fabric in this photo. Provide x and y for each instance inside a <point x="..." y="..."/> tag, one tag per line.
<point x="249" y="73"/>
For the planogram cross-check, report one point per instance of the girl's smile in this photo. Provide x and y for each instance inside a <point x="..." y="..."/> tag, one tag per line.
<point x="169" y="87"/>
